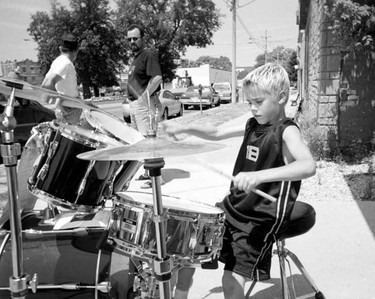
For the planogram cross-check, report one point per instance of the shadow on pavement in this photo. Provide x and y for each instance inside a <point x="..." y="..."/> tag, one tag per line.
<point x="362" y="187"/>
<point x="170" y="174"/>
<point x="367" y="209"/>
<point x="299" y="286"/>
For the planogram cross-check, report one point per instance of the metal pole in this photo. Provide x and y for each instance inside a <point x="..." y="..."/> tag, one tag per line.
<point x="234" y="74"/>
<point x="162" y="264"/>
<point x="9" y="152"/>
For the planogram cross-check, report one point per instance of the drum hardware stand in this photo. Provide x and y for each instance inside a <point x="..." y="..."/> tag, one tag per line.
<point x="9" y="150"/>
<point x="103" y="287"/>
<point x="162" y="264"/>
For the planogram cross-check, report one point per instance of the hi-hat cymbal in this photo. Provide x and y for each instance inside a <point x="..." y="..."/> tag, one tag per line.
<point x="39" y="94"/>
<point x="150" y="148"/>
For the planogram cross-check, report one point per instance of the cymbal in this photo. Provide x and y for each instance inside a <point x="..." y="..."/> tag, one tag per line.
<point x="150" y="148"/>
<point x="39" y="94"/>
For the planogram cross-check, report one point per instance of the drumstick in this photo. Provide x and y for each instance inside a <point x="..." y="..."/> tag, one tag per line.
<point x="257" y="191"/>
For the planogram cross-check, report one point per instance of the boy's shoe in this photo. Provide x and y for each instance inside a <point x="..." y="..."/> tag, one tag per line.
<point x="148" y="184"/>
<point x="143" y="177"/>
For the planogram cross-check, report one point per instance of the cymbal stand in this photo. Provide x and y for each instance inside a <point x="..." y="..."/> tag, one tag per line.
<point x="162" y="264"/>
<point x="9" y="150"/>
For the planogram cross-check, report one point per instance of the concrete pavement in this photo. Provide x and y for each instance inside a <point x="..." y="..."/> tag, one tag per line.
<point x="338" y="252"/>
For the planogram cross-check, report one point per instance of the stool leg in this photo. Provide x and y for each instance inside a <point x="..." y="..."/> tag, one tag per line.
<point x="301" y="268"/>
<point x="250" y="289"/>
<point x="283" y="276"/>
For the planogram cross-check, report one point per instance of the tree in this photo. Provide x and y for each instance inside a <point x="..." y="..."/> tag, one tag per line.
<point x="218" y="63"/>
<point x="352" y="23"/>
<point x="222" y="62"/>
<point x="102" y="53"/>
<point x="285" y="56"/>
<point x="171" y="26"/>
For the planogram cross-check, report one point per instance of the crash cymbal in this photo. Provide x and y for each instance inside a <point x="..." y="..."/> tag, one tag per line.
<point x="150" y="148"/>
<point x="39" y="94"/>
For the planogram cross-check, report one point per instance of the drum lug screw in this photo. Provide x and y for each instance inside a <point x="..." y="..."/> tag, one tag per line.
<point x="34" y="283"/>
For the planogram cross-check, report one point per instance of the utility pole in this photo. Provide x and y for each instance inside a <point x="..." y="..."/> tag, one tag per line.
<point x="265" y="53"/>
<point x="234" y="74"/>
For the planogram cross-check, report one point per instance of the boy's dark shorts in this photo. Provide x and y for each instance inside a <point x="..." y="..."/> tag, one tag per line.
<point x="241" y="251"/>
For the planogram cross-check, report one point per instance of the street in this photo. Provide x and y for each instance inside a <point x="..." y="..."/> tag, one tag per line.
<point x="115" y="108"/>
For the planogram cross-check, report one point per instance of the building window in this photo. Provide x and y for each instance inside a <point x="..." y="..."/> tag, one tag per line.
<point x="33" y="79"/>
<point x="24" y="69"/>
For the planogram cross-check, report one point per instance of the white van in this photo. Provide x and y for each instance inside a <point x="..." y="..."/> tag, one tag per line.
<point x="224" y="89"/>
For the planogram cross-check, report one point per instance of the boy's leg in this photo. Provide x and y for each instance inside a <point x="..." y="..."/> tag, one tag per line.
<point x="233" y="285"/>
<point x="184" y="282"/>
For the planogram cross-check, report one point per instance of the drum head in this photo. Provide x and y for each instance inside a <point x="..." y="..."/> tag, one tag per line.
<point x="169" y="202"/>
<point x="109" y="123"/>
<point x="85" y="136"/>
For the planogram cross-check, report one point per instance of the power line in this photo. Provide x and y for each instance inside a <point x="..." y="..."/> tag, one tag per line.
<point x="256" y="41"/>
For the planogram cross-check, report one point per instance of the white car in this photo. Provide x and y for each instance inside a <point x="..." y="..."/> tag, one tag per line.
<point x="171" y="106"/>
<point x="224" y="90"/>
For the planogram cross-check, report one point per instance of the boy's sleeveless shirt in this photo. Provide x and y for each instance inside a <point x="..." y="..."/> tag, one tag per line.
<point x="261" y="149"/>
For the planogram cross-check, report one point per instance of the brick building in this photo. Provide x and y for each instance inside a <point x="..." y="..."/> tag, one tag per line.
<point x="28" y="69"/>
<point x="338" y="87"/>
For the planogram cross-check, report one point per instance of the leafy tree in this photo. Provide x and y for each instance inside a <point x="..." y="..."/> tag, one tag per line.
<point x="187" y="63"/>
<point x="101" y="54"/>
<point x="291" y="67"/>
<point x="171" y="26"/>
<point x="218" y="63"/>
<point x="222" y="62"/>
<point x="286" y="57"/>
<point x="352" y="23"/>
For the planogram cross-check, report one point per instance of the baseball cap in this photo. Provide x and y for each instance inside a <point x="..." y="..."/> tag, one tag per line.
<point x="69" y="42"/>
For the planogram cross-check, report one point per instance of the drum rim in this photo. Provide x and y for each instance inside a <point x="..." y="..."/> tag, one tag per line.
<point x="97" y="125"/>
<point x="63" y="203"/>
<point x="92" y="138"/>
<point x="128" y="201"/>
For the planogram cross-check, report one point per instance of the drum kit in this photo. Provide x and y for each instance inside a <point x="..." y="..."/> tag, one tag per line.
<point x="95" y="239"/>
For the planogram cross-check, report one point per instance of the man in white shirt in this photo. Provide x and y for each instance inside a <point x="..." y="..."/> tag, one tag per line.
<point x="62" y="77"/>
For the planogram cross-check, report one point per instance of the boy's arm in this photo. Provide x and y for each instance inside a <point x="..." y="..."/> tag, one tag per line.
<point x="208" y="132"/>
<point x="299" y="161"/>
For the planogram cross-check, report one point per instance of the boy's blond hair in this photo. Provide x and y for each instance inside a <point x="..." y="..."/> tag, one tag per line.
<point x="271" y="78"/>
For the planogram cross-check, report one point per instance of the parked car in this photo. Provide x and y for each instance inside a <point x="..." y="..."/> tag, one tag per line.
<point x="171" y="106"/>
<point x="27" y="114"/>
<point x="210" y="98"/>
<point x="224" y="89"/>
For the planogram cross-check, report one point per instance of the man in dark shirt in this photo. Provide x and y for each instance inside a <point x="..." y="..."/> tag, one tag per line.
<point x="143" y="84"/>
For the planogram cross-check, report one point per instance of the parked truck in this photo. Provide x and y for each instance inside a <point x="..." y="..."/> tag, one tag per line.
<point x="204" y="75"/>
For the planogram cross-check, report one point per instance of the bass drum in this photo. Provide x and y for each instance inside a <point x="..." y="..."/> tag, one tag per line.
<point x="62" y="179"/>
<point x="68" y="265"/>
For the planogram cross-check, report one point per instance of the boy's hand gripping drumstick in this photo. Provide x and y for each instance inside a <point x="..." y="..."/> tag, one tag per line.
<point x="257" y="191"/>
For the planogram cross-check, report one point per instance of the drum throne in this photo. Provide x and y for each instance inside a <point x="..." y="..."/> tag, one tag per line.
<point x="302" y="219"/>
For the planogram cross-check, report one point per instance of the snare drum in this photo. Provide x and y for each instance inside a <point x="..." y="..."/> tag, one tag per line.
<point x="193" y="230"/>
<point x="66" y="181"/>
<point x="67" y="264"/>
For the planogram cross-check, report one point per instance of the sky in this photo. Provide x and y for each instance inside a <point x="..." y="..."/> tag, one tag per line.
<point x="256" y="22"/>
